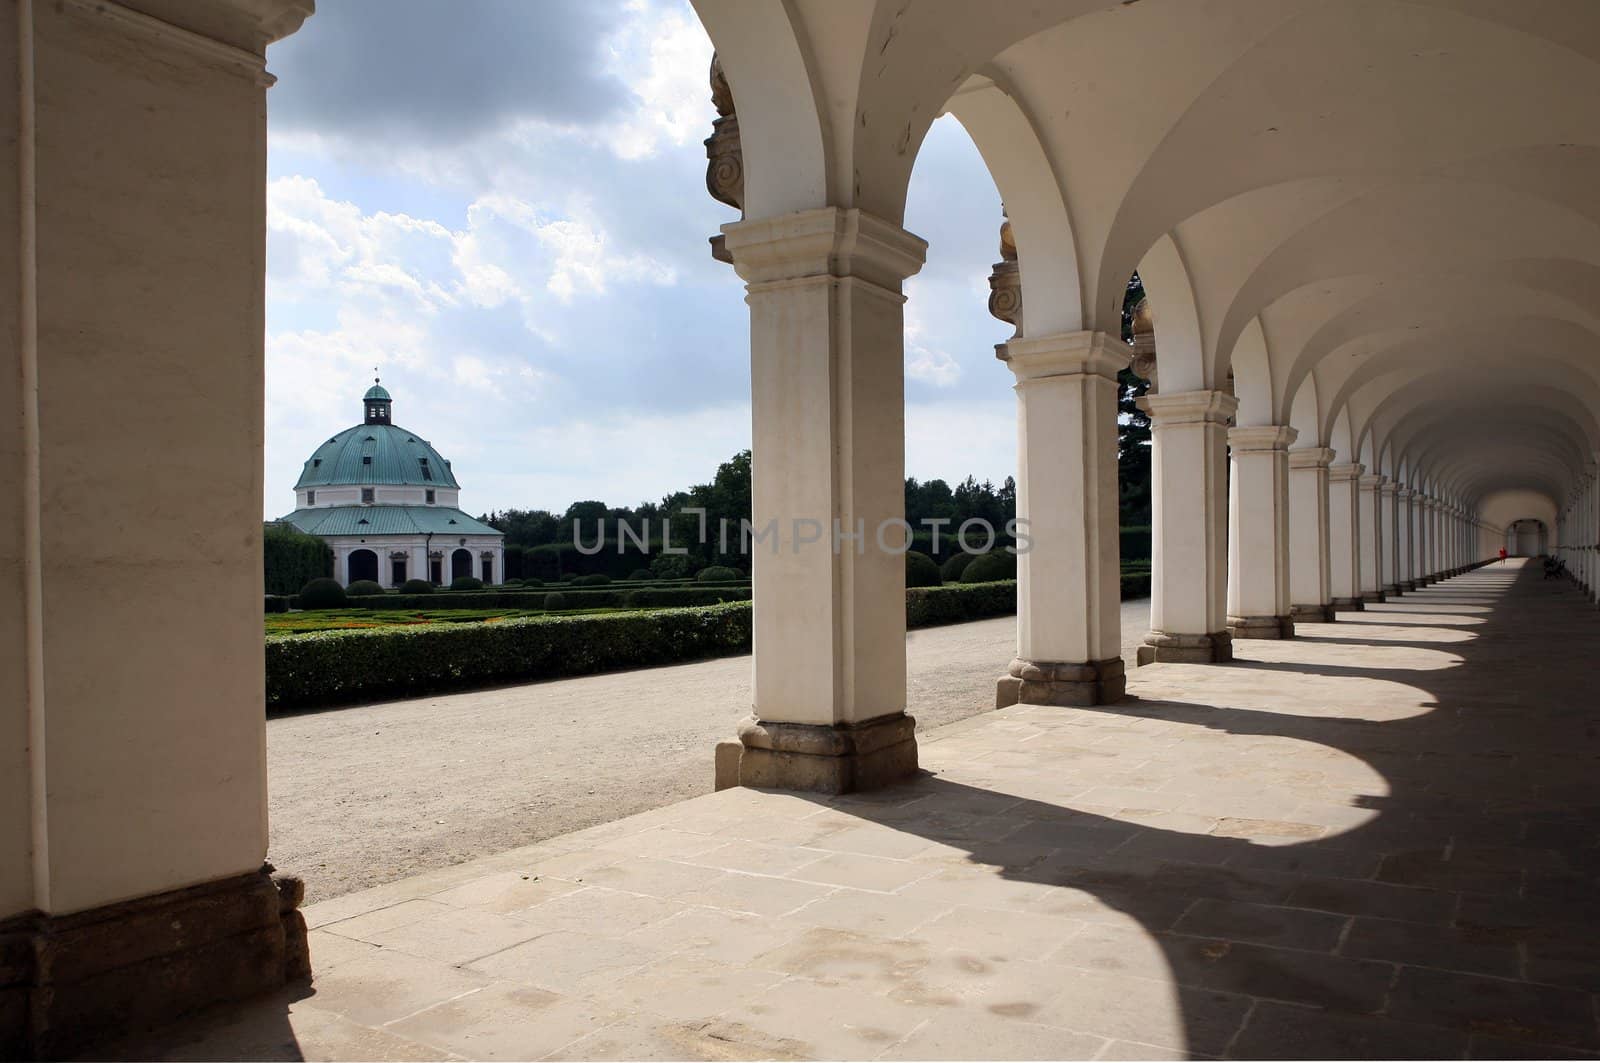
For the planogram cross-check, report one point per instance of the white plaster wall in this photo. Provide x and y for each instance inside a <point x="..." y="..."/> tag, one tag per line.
<point x="151" y="216"/>
<point x="383" y="495"/>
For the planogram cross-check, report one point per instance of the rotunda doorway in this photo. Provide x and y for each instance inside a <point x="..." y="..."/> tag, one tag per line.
<point x="363" y="564"/>
<point x="461" y="564"/>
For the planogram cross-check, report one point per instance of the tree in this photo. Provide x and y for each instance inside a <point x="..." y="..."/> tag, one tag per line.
<point x="1133" y="427"/>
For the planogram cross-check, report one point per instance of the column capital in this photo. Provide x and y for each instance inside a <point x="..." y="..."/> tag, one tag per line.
<point x="1343" y="473"/>
<point x="1371" y="481"/>
<point x="1065" y="354"/>
<point x="1406" y="494"/>
<point x="1389" y="487"/>
<point x="826" y="242"/>
<point x="1249" y="438"/>
<point x="1189" y="407"/>
<point x="1310" y="457"/>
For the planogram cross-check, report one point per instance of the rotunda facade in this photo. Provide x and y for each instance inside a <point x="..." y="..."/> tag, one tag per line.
<point x="387" y="504"/>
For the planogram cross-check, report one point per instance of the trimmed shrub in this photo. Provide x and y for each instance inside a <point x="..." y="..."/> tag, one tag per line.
<point x="641" y="574"/>
<point x="921" y="570"/>
<point x="675" y="597"/>
<point x="555" y="601"/>
<point x="291" y="558"/>
<point x="1135" y="585"/>
<point x="929" y="606"/>
<point x="718" y="574"/>
<point x="334" y="667"/>
<point x="532" y="581"/>
<point x="416" y="586"/>
<point x="1135" y="543"/>
<point x="669" y="566"/>
<point x="364" y="588"/>
<point x="323" y="593"/>
<point x="594" y="579"/>
<point x="277" y="603"/>
<point x="466" y="583"/>
<point x="987" y="568"/>
<point x="954" y="566"/>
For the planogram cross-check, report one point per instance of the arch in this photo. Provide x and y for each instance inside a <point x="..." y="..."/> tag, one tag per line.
<point x="361" y="564"/>
<point x="460" y="563"/>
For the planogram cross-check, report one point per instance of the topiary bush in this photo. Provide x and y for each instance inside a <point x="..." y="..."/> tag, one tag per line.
<point x="641" y="574"/>
<point x="323" y="593"/>
<point x="555" y="601"/>
<point x="594" y="579"/>
<point x="466" y="583"/>
<point x="532" y="581"/>
<point x="718" y="574"/>
<point x="416" y="586"/>
<point x="921" y="570"/>
<point x="987" y="568"/>
<point x="364" y="588"/>
<point x="277" y="603"/>
<point x="954" y="566"/>
<point x="291" y="558"/>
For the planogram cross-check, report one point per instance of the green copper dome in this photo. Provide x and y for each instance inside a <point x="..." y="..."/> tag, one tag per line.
<point x="376" y="453"/>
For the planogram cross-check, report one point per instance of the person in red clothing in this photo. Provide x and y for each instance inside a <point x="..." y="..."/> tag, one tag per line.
<point x="1502" y="555"/>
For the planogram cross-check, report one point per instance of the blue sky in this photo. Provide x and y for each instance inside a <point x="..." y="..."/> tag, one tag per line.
<point x="501" y="204"/>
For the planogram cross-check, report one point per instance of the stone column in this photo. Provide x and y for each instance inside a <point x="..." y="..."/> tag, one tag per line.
<point x="133" y="807"/>
<point x="1310" y="573"/>
<point x="1419" y="546"/>
<point x="828" y="409"/>
<point x="1258" y="533"/>
<point x="1389" y="531"/>
<point x="1344" y="536"/>
<point x="1434" y="575"/>
<point x="1403" y="552"/>
<point x="1189" y="544"/>
<point x="1068" y="581"/>
<point x="1370" y="527"/>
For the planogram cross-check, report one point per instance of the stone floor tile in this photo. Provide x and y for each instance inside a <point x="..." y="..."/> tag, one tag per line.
<point x="1435" y="870"/>
<point x="1481" y="1046"/>
<point x="756" y="858"/>
<point x="1357" y="986"/>
<point x="1010" y="988"/>
<point x="652" y="877"/>
<point x="1152" y="909"/>
<point x="882" y="915"/>
<point x="1136" y="1051"/>
<point x="1115" y="949"/>
<point x="595" y="909"/>
<point x="570" y="865"/>
<point x="389" y="985"/>
<point x="566" y="961"/>
<point x="827" y="1021"/>
<point x="983" y="888"/>
<point x="505" y="891"/>
<point x="861" y="872"/>
<point x="1293" y="928"/>
<point x="457" y="936"/>
<point x="1309" y="860"/>
<point x="644" y="1036"/>
<point x="685" y="989"/>
<point x="1287" y="1031"/>
<point x="756" y="894"/>
<point x="663" y="842"/>
<point x="997" y="933"/>
<point x="714" y="934"/>
<point x="329" y="950"/>
<point x="505" y="1020"/>
<point x="840" y="957"/>
<point x="875" y="841"/>
<point x="1147" y="1010"/>
<point x="960" y="1035"/>
<point x="363" y="926"/>
<point x="1423" y="945"/>
<point x="1380" y="899"/>
<point x="1496" y="1007"/>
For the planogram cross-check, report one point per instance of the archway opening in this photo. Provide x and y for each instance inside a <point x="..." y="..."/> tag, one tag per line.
<point x="363" y="564"/>
<point x="461" y="564"/>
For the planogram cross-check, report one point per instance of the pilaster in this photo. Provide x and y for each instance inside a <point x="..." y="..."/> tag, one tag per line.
<point x="1258" y="533"/>
<point x="1310" y="561"/>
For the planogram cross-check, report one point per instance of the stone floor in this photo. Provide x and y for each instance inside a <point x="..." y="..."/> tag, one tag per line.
<point x="1376" y="840"/>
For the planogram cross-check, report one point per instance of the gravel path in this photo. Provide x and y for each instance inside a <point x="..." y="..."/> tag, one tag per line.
<point x="366" y="795"/>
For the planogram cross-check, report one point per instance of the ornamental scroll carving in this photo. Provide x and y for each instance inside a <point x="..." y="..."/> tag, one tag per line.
<point x="1005" y="282"/>
<point x="1144" y="343"/>
<point x="724" y="158"/>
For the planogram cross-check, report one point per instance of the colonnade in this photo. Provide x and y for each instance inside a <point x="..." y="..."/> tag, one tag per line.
<point x="1578" y="534"/>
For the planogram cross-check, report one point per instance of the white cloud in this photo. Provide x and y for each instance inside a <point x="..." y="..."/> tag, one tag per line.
<point x="664" y="57"/>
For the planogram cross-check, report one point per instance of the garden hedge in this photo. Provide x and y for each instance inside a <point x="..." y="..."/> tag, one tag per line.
<point x="364" y="588"/>
<point x="673" y="597"/>
<point x="343" y="667"/>
<point x="290" y="558"/>
<point x="331" y="667"/>
<point x="921" y="570"/>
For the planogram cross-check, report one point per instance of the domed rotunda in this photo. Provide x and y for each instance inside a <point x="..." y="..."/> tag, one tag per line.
<point x="386" y="502"/>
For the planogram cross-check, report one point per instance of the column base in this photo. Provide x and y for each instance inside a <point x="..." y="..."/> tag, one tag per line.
<point x="1352" y="605"/>
<point x="67" y="979"/>
<point x="1391" y="590"/>
<point x="819" y="758"/>
<point x="1409" y="585"/>
<point x="1168" y="647"/>
<point x="1261" y="627"/>
<point x="1312" y="614"/>
<point x="1373" y="596"/>
<point x="1058" y="683"/>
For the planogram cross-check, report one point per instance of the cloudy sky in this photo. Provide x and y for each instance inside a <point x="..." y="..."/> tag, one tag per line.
<point x="501" y="204"/>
